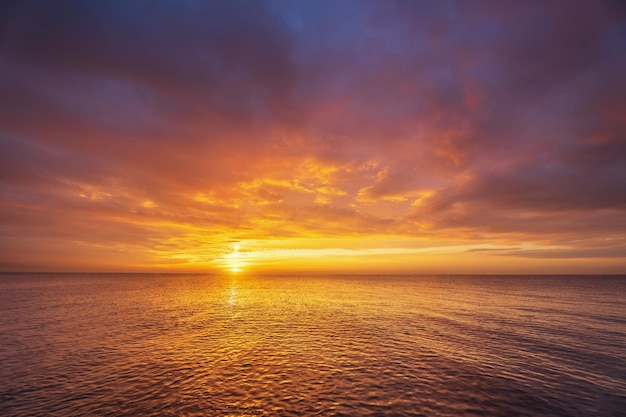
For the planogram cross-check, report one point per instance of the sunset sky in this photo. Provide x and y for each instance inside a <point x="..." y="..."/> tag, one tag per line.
<point x="388" y="136"/>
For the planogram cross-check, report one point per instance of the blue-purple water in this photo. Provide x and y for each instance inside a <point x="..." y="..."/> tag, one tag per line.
<point x="202" y="345"/>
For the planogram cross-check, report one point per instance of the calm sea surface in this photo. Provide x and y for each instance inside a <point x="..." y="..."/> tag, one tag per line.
<point x="196" y="345"/>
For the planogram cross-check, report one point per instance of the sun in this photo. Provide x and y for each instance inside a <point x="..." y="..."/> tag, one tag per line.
<point x="233" y="261"/>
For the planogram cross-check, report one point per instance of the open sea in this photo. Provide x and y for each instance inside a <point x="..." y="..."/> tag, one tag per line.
<point x="260" y="345"/>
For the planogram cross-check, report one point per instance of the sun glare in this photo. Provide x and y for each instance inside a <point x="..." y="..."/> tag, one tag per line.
<point x="234" y="260"/>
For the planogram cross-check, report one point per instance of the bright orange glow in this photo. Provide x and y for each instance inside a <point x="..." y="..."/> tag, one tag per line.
<point x="234" y="261"/>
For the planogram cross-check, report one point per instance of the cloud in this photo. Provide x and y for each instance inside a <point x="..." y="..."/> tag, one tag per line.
<point x="571" y="253"/>
<point x="168" y="126"/>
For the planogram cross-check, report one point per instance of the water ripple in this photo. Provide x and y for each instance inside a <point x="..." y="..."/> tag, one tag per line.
<point x="176" y="345"/>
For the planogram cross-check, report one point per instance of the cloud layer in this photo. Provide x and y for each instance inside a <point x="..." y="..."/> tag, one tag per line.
<point x="144" y="134"/>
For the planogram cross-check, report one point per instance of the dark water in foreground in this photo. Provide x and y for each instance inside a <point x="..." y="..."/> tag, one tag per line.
<point x="180" y="345"/>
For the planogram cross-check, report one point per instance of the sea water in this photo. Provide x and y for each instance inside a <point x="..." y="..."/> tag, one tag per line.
<point x="336" y="345"/>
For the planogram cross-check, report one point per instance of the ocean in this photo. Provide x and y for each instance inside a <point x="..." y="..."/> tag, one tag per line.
<point x="326" y="345"/>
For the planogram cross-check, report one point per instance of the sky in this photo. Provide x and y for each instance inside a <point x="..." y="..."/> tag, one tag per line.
<point x="336" y="136"/>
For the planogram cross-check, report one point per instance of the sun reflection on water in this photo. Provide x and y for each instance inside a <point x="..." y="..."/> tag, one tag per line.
<point x="232" y="299"/>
